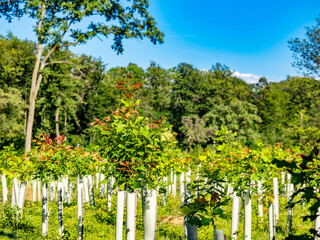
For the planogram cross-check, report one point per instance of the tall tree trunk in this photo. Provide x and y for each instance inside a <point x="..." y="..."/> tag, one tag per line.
<point x="60" y="208"/>
<point x="25" y="122"/>
<point x="57" y="121"/>
<point x="32" y="105"/>
<point x="26" y="102"/>
<point x="35" y="84"/>
<point x="301" y="125"/>
<point x="65" y="123"/>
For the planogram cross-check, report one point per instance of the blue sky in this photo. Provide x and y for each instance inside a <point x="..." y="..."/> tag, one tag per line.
<point x="248" y="36"/>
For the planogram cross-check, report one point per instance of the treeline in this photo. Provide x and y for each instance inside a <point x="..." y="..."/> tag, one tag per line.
<point x="76" y="90"/>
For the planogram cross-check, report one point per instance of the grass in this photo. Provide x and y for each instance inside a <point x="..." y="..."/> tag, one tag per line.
<point x="100" y="224"/>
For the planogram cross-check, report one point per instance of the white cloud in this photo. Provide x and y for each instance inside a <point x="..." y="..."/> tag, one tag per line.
<point x="248" y="77"/>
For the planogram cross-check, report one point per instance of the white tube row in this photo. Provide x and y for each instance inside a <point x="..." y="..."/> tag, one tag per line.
<point x="85" y="195"/>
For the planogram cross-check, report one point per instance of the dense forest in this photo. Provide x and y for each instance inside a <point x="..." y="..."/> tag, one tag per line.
<point x="195" y="102"/>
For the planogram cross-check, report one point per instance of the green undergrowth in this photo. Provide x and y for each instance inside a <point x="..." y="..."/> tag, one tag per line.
<point x="100" y="224"/>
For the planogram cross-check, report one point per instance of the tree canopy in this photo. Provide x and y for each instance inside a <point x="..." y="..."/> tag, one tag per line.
<point x="306" y="52"/>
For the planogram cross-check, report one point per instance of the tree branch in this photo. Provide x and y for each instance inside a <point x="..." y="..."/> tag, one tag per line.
<point x="72" y="19"/>
<point x="68" y="44"/>
<point x="35" y="79"/>
<point x="43" y="63"/>
<point x="43" y="12"/>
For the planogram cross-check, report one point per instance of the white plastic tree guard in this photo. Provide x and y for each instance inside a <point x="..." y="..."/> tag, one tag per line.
<point x="22" y="195"/>
<point x="171" y="182"/>
<point x="51" y="190"/>
<point x="276" y="199"/>
<point x="218" y="235"/>
<point x="80" y="208"/>
<point x="205" y="183"/>
<point x="229" y="189"/>
<point x="45" y="210"/>
<point x="15" y="192"/>
<point x="119" y="217"/>
<point x="289" y="219"/>
<point x="317" y="225"/>
<point x="247" y="215"/>
<point x="66" y="190"/>
<point x="290" y="210"/>
<point x="174" y="185"/>
<point x="34" y="190"/>
<point x="289" y="186"/>
<point x="283" y="177"/>
<point x="85" y="189"/>
<point x="191" y="230"/>
<point x="101" y="185"/>
<point x="131" y="216"/>
<point x="97" y="180"/>
<point x="39" y="190"/>
<point x="60" y="207"/>
<point x="197" y="179"/>
<point x="235" y="216"/>
<point x="182" y="190"/>
<point x="260" y="206"/>
<point x="271" y="220"/>
<point x="150" y="221"/>
<point x="164" y="195"/>
<point x="4" y="188"/>
<point x="90" y="189"/>
<point x="109" y="192"/>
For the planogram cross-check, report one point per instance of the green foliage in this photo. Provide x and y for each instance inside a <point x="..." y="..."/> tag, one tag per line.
<point x="103" y="215"/>
<point x="202" y="211"/>
<point x="232" y="162"/>
<point x="194" y="130"/>
<point x="59" y="96"/>
<point x="156" y="91"/>
<point x="11" y="115"/>
<point x="306" y="51"/>
<point x="123" y="21"/>
<point x="16" y="60"/>
<point x="49" y="160"/>
<point x="13" y="163"/>
<point x="133" y="146"/>
<point x="204" y="101"/>
<point x="273" y="105"/>
<point x="304" y="97"/>
<point x="240" y="117"/>
<point x="305" y="177"/>
<point x="197" y="103"/>
<point x="52" y="159"/>
<point x="11" y="216"/>
<point x="84" y="162"/>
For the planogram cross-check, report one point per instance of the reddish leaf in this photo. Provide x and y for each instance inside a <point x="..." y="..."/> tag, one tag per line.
<point x="201" y="201"/>
<point x="214" y="197"/>
<point x="120" y="87"/>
